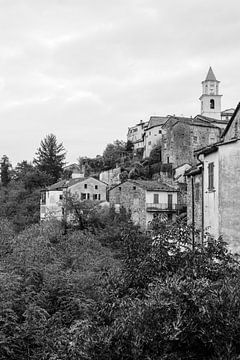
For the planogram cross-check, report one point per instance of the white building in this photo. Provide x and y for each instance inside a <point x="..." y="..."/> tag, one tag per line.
<point x="52" y="203"/>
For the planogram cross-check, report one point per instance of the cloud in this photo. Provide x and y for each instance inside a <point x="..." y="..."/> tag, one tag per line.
<point x="86" y="70"/>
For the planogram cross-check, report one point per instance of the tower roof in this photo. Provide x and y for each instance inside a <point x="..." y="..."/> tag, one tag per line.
<point x="210" y="75"/>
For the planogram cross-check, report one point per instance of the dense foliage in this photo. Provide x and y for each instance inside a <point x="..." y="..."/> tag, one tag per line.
<point x="116" y="294"/>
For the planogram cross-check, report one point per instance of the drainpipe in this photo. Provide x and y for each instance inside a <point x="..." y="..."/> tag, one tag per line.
<point x="201" y="162"/>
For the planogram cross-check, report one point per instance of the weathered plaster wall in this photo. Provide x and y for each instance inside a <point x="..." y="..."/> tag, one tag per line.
<point x="197" y="185"/>
<point x="234" y="130"/>
<point x="91" y="189"/>
<point x="131" y="197"/>
<point x="53" y="206"/>
<point x="211" y="197"/>
<point x="111" y="177"/>
<point x="182" y="139"/>
<point x="229" y="194"/>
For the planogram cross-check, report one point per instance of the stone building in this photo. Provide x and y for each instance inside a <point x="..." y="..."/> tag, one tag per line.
<point x="136" y="135"/>
<point x="153" y="134"/>
<point x="219" y="171"/>
<point x="146" y="200"/>
<point x="53" y="197"/>
<point x="184" y="135"/>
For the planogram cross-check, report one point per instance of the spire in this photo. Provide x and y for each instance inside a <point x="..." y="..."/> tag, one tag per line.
<point x="210" y="75"/>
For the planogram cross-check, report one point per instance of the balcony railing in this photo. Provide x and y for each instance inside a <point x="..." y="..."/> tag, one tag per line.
<point x="163" y="207"/>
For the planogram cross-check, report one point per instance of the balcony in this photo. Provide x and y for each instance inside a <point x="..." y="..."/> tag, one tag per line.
<point x="163" y="207"/>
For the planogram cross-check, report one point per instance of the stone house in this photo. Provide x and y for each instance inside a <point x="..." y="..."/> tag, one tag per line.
<point x="136" y="134"/>
<point x="153" y="134"/>
<point x="219" y="177"/>
<point x="52" y="198"/>
<point x="146" y="200"/>
<point x="182" y="136"/>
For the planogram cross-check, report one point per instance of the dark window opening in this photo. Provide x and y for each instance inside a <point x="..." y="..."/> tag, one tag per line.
<point x="85" y="186"/>
<point x="211" y="176"/>
<point x="95" y="196"/>
<point x="156" y="198"/>
<point x="96" y="187"/>
<point x="134" y="187"/>
<point x="60" y="197"/>
<point x="83" y="196"/>
<point x="43" y="198"/>
<point x="212" y="104"/>
<point x="170" y="201"/>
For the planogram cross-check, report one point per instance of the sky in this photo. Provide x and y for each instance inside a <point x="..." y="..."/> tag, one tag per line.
<point x="86" y="70"/>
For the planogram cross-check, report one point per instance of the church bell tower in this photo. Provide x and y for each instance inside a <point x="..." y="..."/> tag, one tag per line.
<point x="210" y="98"/>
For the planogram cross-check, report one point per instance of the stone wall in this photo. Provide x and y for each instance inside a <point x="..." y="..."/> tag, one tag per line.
<point x="182" y="139"/>
<point x="110" y="177"/>
<point x="197" y="184"/>
<point x="132" y="198"/>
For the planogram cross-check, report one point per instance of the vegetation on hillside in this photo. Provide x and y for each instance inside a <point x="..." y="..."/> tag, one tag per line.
<point x="116" y="294"/>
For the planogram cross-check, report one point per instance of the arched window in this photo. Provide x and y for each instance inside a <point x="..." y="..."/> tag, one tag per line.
<point x="212" y="104"/>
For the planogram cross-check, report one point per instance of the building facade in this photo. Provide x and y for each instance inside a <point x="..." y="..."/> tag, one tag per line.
<point x="220" y="174"/>
<point x="146" y="200"/>
<point x="53" y="198"/>
<point x="182" y="136"/>
<point x="210" y="98"/>
<point x="153" y="134"/>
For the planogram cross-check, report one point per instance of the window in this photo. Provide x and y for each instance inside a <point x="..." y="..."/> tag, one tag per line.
<point x="43" y="198"/>
<point x="119" y="188"/>
<point x="168" y="159"/>
<point x="96" y="187"/>
<point x="88" y="196"/>
<point x="60" y="197"/>
<point x="170" y="201"/>
<point x="95" y="196"/>
<point x="99" y="196"/>
<point x="211" y="176"/>
<point x="156" y="198"/>
<point x="85" y="186"/>
<point x="83" y="196"/>
<point x="159" y="131"/>
<point x="212" y="104"/>
<point x="134" y="187"/>
<point x="62" y="211"/>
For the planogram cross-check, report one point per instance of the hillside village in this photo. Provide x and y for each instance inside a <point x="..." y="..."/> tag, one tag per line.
<point x="171" y="166"/>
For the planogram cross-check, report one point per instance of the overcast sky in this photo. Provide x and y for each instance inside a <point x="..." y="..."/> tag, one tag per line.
<point x="86" y="70"/>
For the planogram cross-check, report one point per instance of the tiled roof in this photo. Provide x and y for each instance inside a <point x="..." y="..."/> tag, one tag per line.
<point x="210" y="75"/>
<point x="152" y="185"/>
<point x="156" y="121"/>
<point x="65" y="184"/>
<point x="197" y="121"/>
<point x="210" y="120"/>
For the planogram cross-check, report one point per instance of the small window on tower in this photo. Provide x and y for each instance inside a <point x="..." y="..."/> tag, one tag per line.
<point x="212" y="104"/>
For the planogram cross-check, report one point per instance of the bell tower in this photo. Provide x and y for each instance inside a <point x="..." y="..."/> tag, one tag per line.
<point x="210" y="98"/>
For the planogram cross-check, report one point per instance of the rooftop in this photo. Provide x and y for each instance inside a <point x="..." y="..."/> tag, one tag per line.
<point x="152" y="185"/>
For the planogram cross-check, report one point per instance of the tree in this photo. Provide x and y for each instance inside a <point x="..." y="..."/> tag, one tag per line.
<point x="5" y="173"/>
<point x="114" y="153"/>
<point x="155" y="155"/>
<point x="50" y="157"/>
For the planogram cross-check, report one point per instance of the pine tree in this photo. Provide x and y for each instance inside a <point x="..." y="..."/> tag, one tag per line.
<point x="5" y="170"/>
<point x="50" y="157"/>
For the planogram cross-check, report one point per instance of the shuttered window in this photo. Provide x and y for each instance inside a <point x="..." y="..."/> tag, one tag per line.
<point x="211" y="176"/>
